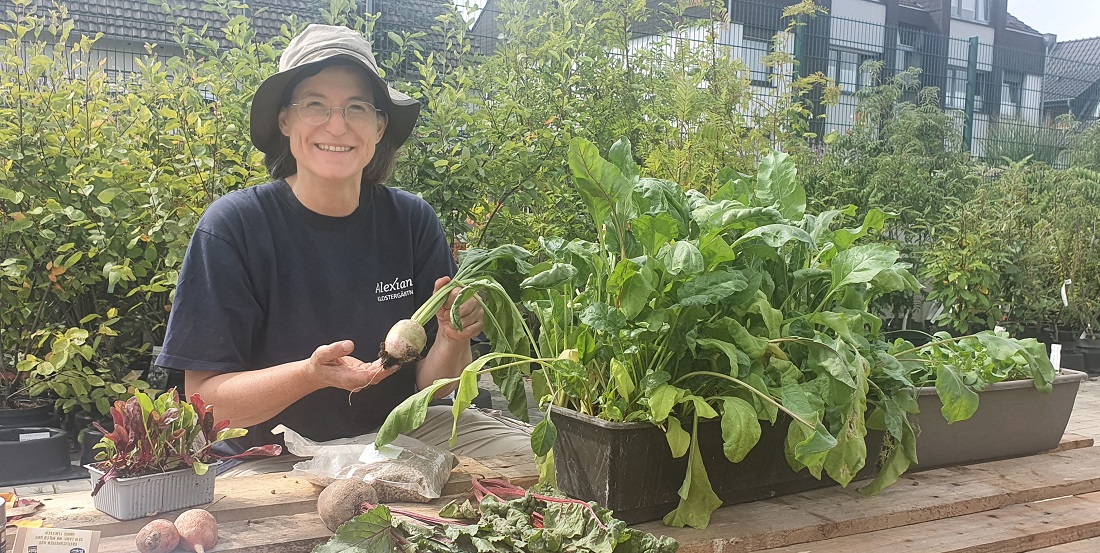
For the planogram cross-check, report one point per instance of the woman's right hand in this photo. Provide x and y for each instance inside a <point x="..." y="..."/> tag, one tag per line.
<point x="333" y="366"/>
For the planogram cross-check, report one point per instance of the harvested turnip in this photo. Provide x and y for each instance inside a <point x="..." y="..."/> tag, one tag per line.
<point x="198" y="530"/>
<point x="403" y="344"/>
<point x="159" y="536"/>
<point x="406" y="340"/>
<point x="339" y="502"/>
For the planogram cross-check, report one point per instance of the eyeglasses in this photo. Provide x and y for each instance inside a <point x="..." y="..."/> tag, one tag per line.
<point x="316" y="113"/>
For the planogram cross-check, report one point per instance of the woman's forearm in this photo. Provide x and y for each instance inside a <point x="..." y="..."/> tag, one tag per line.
<point x="251" y="397"/>
<point x="445" y="359"/>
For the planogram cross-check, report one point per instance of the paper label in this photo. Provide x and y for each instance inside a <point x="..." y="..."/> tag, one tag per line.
<point x="55" y="540"/>
<point x="33" y="436"/>
<point x="387" y="452"/>
<point x="1056" y="355"/>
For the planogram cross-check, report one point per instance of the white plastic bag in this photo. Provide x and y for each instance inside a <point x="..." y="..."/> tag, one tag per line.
<point x="406" y="470"/>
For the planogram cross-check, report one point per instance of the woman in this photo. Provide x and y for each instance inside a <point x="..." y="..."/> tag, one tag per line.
<point x="289" y="287"/>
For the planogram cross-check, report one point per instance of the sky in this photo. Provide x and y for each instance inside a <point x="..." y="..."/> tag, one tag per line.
<point x="1069" y="19"/>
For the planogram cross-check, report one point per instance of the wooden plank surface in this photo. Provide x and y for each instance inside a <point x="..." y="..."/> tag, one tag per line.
<point x="281" y="534"/>
<point x="265" y="495"/>
<point x="1091" y="545"/>
<point x="1073" y="441"/>
<point x="248" y="508"/>
<point x="921" y="497"/>
<point x="1013" y="529"/>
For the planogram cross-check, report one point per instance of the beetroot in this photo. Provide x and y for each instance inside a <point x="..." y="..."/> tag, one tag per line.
<point x="159" y="536"/>
<point x="198" y="530"/>
<point x="339" y="502"/>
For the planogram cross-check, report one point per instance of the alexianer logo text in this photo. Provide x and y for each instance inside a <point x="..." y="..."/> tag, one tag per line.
<point x="392" y="290"/>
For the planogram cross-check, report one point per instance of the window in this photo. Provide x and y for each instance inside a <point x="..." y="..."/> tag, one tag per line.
<point x="1012" y="94"/>
<point x="910" y="44"/>
<point x="955" y="95"/>
<point x="756" y="44"/>
<point x="846" y="69"/>
<point x="971" y="10"/>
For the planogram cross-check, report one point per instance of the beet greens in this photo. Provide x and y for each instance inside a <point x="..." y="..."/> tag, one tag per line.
<point x="498" y="517"/>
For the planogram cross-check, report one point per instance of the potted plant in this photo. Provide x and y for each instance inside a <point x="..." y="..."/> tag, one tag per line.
<point x="157" y="457"/>
<point x="739" y="309"/>
<point x="736" y="309"/>
<point x="929" y="395"/>
<point x="83" y="370"/>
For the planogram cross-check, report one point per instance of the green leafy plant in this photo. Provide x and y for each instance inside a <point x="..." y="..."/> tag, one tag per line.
<point x="152" y="436"/>
<point x="741" y="308"/>
<point x="79" y="374"/>
<point x="963" y="268"/>
<point x="102" y="181"/>
<point x="498" y="517"/>
<point x="1012" y="140"/>
<point x="678" y="313"/>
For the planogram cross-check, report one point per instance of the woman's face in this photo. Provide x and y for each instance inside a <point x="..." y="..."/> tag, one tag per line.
<point x="338" y="149"/>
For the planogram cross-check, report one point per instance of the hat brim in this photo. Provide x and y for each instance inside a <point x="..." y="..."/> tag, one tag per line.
<point x="400" y="109"/>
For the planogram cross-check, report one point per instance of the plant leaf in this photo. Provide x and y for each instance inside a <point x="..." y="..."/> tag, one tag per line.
<point x="543" y="436"/>
<point x="777" y="186"/>
<point x="697" y="498"/>
<point x="959" y="401"/>
<point x="370" y="531"/>
<point x="678" y="438"/>
<point x="862" y="263"/>
<point x="740" y="428"/>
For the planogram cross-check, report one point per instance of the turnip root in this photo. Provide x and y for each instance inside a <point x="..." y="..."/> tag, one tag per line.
<point x="159" y="536"/>
<point x="339" y="502"/>
<point x="403" y="344"/>
<point x="198" y="530"/>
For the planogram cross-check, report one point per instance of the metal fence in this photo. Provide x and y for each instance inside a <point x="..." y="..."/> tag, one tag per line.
<point x="1008" y="102"/>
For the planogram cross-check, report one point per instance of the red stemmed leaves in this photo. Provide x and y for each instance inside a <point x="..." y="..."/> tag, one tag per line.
<point x="152" y="436"/>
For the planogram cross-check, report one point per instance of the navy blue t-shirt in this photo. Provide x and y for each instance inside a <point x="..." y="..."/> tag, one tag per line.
<point x="266" y="281"/>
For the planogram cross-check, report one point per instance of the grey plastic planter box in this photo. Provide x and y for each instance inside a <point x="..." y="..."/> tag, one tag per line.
<point x="1013" y="419"/>
<point x="152" y="494"/>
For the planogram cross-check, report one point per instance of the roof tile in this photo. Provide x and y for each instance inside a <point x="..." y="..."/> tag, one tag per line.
<point x="1072" y="68"/>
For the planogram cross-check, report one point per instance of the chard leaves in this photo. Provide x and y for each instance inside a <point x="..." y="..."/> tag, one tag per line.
<point x="370" y="531"/>
<point x="740" y="428"/>
<point x="603" y="187"/>
<point x="777" y="186"/>
<point x="860" y="264"/>
<point x="697" y="497"/>
<point x="959" y="401"/>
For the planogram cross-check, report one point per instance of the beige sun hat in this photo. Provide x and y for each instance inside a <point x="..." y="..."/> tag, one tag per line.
<point x="317" y="44"/>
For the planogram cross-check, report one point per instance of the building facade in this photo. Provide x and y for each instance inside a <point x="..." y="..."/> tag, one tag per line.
<point x="129" y="25"/>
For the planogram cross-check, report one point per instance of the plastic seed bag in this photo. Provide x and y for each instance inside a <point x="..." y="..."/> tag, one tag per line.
<point x="405" y="470"/>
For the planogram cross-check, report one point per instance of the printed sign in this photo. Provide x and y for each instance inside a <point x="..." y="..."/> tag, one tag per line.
<point x="55" y="540"/>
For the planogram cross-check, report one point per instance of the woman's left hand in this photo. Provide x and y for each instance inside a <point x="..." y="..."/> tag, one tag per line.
<point x="471" y="313"/>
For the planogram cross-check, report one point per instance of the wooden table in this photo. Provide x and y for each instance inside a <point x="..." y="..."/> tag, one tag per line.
<point x="1048" y="502"/>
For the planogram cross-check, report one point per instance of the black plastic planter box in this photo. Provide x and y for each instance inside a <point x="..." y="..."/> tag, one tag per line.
<point x="32" y="455"/>
<point x="1013" y="419"/>
<point x="27" y="417"/>
<point x="629" y="468"/>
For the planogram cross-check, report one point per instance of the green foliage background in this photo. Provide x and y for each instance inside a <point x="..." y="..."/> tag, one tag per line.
<point x="103" y="181"/>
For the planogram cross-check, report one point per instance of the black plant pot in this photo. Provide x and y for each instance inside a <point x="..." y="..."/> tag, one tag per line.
<point x="1090" y="354"/>
<point x="35" y="454"/>
<point x="40" y="415"/>
<point x="629" y="468"/>
<point x="88" y="438"/>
